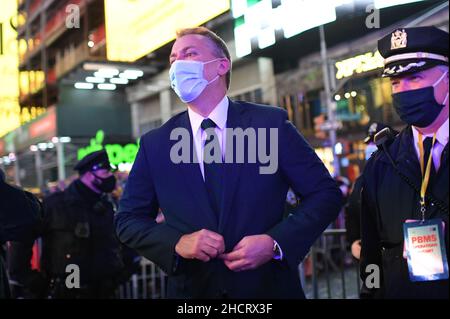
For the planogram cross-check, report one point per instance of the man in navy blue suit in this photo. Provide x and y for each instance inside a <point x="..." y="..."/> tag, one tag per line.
<point x="224" y="235"/>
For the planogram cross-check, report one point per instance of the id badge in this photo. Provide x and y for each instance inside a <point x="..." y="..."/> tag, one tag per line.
<point x="425" y="250"/>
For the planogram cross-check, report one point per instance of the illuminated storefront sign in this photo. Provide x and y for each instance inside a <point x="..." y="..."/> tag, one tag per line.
<point x="45" y="126"/>
<point x="262" y="23"/>
<point x="260" y="20"/>
<point x="121" y="156"/>
<point x="134" y="28"/>
<point x="359" y="64"/>
<point x="42" y="128"/>
<point x="9" y="65"/>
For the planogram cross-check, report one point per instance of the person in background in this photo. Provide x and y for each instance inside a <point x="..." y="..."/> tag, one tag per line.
<point x="344" y="186"/>
<point x="20" y="214"/>
<point x="353" y="209"/>
<point x="77" y="230"/>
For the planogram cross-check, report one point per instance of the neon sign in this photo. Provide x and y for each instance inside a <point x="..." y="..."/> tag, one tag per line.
<point x="121" y="156"/>
<point x="260" y="20"/>
<point x="359" y="64"/>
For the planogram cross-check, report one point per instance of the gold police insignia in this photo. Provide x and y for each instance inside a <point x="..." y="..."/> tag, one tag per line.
<point x="399" y="39"/>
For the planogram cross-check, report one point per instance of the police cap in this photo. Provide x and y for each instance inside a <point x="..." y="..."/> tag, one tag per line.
<point x="94" y="161"/>
<point x="409" y="50"/>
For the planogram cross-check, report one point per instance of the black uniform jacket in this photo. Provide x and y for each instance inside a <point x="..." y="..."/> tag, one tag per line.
<point x="387" y="201"/>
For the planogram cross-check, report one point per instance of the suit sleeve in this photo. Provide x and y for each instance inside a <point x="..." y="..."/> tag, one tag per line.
<point x="320" y="198"/>
<point x="136" y="223"/>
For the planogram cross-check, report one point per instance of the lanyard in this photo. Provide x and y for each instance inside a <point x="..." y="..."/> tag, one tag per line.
<point x="425" y="172"/>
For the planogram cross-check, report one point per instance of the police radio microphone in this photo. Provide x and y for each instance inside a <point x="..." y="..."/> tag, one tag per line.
<point x="383" y="136"/>
<point x="382" y="139"/>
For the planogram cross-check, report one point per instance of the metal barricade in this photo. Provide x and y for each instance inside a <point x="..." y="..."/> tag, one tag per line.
<point x="334" y="273"/>
<point x="328" y="272"/>
<point x="149" y="283"/>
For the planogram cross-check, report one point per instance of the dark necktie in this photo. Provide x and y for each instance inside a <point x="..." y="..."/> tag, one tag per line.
<point x="427" y="143"/>
<point x="213" y="171"/>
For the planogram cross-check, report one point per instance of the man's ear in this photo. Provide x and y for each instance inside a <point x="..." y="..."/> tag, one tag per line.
<point x="224" y="66"/>
<point x="87" y="176"/>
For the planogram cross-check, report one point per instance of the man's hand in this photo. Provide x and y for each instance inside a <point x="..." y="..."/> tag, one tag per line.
<point x="356" y="249"/>
<point x="203" y="245"/>
<point x="250" y="253"/>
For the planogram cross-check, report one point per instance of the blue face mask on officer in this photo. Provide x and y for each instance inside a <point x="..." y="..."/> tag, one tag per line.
<point x="104" y="184"/>
<point x="187" y="79"/>
<point x="419" y="107"/>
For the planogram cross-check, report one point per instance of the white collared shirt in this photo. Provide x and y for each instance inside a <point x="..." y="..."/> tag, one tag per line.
<point x="219" y="116"/>
<point x="439" y="145"/>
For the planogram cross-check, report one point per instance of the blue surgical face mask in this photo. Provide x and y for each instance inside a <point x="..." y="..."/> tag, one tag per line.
<point x="187" y="79"/>
<point x="419" y="107"/>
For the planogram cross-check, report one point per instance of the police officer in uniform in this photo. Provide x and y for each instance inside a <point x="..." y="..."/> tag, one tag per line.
<point x="78" y="239"/>
<point x="404" y="221"/>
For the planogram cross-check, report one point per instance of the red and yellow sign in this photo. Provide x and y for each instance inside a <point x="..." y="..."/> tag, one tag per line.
<point x="45" y="126"/>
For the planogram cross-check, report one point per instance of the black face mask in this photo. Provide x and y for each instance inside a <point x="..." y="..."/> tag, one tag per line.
<point x="418" y="107"/>
<point x="105" y="185"/>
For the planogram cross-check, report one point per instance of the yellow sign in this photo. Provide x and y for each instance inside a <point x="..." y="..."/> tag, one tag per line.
<point x="135" y="28"/>
<point x="359" y="64"/>
<point x="9" y="73"/>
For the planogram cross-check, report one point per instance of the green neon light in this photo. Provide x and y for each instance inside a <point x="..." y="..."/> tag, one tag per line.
<point x="252" y="2"/>
<point x="117" y="154"/>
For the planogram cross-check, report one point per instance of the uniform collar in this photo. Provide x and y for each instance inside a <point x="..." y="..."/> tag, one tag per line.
<point x="441" y="134"/>
<point x="84" y="193"/>
<point x="218" y="115"/>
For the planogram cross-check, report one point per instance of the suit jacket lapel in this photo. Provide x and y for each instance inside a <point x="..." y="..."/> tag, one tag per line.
<point x="232" y="170"/>
<point x="191" y="175"/>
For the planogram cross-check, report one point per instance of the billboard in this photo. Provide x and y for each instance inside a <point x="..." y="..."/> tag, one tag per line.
<point x="135" y="28"/>
<point x="9" y="70"/>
